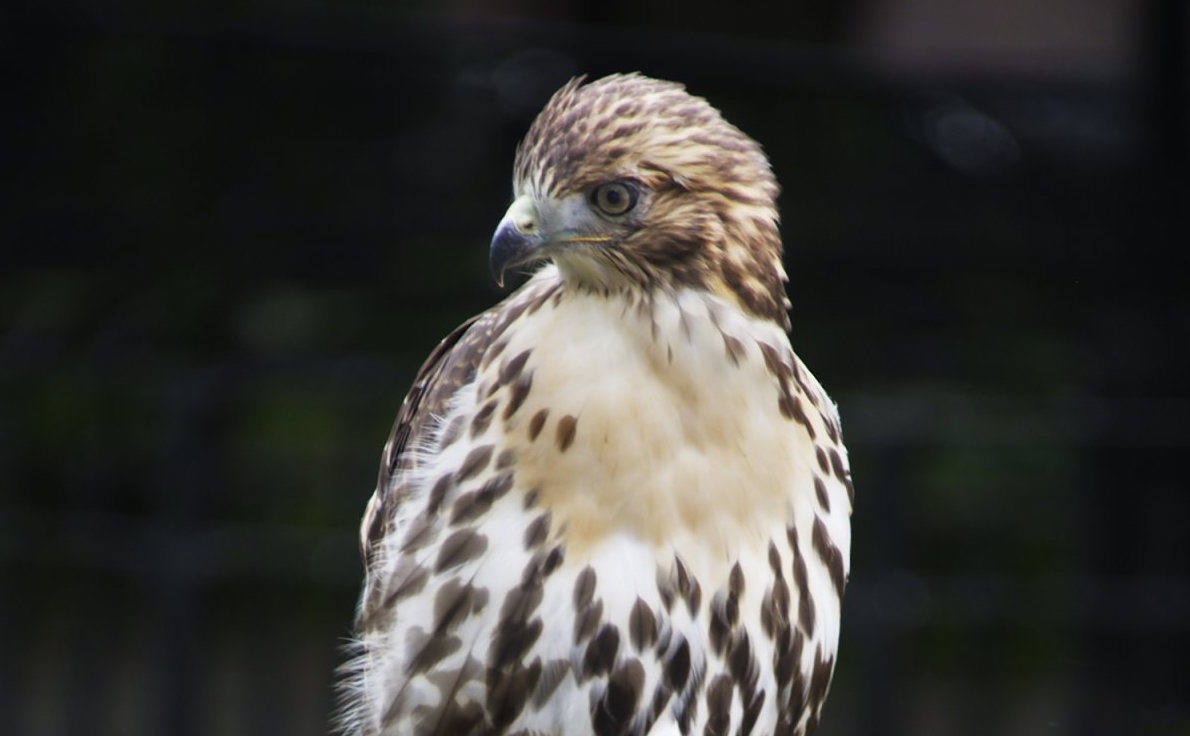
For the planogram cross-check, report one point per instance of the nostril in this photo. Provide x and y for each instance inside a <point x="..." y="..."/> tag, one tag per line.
<point x="526" y="226"/>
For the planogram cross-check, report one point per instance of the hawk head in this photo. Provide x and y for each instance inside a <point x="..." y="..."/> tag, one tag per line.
<point x="631" y="182"/>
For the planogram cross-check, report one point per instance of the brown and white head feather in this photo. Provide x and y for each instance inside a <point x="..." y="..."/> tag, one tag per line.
<point x="707" y="217"/>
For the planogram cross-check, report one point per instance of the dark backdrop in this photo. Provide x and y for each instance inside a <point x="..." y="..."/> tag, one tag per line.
<point x="231" y="233"/>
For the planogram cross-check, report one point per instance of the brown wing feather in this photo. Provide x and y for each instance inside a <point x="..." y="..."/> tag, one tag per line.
<point x="426" y="399"/>
<point x="452" y="365"/>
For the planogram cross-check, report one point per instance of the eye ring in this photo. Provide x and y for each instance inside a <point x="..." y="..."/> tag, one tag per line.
<point x="615" y="198"/>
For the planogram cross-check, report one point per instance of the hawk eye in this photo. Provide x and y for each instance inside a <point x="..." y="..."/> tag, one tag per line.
<point x="614" y="198"/>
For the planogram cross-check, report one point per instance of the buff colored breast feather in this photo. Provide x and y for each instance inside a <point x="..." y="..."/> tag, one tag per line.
<point x="617" y="502"/>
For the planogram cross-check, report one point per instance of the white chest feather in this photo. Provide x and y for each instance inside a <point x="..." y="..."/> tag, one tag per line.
<point x="633" y="520"/>
<point x="674" y="442"/>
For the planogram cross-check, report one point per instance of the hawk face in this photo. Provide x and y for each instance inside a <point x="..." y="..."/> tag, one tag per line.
<point x="632" y="183"/>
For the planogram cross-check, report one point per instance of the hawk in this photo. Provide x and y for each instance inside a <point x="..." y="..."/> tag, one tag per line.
<point x="617" y="502"/>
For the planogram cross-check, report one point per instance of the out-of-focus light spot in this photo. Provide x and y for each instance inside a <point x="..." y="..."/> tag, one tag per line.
<point x="964" y="137"/>
<point x="525" y="81"/>
<point x="278" y="321"/>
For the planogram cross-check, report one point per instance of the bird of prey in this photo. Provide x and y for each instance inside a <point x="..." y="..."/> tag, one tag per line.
<point x="617" y="502"/>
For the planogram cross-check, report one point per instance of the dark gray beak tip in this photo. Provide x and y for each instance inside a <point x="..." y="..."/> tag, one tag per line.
<point x="510" y="247"/>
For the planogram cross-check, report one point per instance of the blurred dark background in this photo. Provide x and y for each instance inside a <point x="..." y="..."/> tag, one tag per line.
<point x="230" y="234"/>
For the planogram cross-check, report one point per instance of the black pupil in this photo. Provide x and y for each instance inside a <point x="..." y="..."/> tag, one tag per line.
<point x="614" y="197"/>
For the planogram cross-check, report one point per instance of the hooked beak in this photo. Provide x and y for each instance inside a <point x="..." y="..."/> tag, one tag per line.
<point x="518" y="238"/>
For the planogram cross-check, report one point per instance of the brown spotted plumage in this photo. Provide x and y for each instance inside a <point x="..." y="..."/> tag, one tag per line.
<point x="617" y="503"/>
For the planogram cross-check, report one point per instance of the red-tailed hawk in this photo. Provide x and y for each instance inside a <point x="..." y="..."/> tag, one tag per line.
<point x="617" y="502"/>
